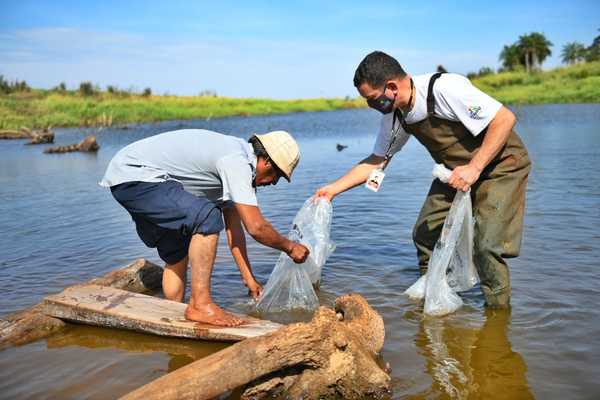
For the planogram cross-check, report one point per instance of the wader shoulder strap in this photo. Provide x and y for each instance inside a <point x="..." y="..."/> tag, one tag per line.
<point x="430" y="98"/>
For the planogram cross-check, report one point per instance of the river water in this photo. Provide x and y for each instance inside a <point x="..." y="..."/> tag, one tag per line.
<point x="59" y="227"/>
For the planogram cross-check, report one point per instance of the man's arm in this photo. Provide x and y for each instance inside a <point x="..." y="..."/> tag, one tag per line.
<point x="356" y="176"/>
<point x="497" y="134"/>
<point x="263" y="232"/>
<point x="237" y="244"/>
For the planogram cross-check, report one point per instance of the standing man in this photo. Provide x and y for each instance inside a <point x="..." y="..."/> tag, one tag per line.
<point x="179" y="186"/>
<point x="470" y="133"/>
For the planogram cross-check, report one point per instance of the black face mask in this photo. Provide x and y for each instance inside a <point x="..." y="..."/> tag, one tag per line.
<point x="383" y="104"/>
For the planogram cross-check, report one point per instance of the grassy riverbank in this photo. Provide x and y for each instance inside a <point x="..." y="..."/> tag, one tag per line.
<point x="40" y="108"/>
<point x="574" y="84"/>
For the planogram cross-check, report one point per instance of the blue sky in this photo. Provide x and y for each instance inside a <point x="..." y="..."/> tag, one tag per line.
<point x="285" y="49"/>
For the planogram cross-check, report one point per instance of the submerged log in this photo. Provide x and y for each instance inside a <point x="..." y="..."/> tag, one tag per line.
<point x="89" y="144"/>
<point x="31" y="324"/>
<point x="333" y="356"/>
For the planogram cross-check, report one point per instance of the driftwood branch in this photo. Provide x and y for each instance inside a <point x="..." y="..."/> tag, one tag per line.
<point x="332" y="356"/>
<point x="31" y="324"/>
<point x="42" y="137"/>
<point x="37" y="136"/>
<point x="89" y="144"/>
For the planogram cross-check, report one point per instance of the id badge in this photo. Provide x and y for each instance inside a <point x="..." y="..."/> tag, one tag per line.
<point x="375" y="180"/>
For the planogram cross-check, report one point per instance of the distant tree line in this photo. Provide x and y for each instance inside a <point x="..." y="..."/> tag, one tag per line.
<point x="529" y="52"/>
<point x="7" y="87"/>
<point x="86" y="89"/>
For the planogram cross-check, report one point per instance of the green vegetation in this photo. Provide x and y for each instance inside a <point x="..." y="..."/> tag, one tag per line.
<point x="34" y="108"/>
<point x="88" y="106"/>
<point x="579" y="83"/>
<point x="529" y="51"/>
<point x="520" y="81"/>
<point x="573" y="53"/>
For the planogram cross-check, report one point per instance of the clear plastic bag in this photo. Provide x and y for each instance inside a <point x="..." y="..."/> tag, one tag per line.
<point x="451" y="268"/>
<point x="290" y="285"/>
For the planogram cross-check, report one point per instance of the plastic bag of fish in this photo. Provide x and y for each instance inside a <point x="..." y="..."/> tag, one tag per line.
<point x="451" y="268"/>
<point x="292" y="286"/>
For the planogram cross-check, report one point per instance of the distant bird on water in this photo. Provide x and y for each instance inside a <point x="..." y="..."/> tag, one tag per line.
<point x="340" y="147"/>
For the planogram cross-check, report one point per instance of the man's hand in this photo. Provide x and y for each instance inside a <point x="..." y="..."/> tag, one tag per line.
<point x="255" y="289"/>
<point x="298" y="252"/>
<point x="326" y="191"/>
<point x="464" y="176"/>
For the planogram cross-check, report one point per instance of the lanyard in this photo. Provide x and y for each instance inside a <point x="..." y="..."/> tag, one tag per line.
<point x="395" y="131"/>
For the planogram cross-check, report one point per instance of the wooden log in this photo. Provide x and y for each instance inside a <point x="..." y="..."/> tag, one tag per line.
<point x="32" y="324"/>
<point x="44" y="136"/>
<point x="14" y="134"/>
<point x="114" y="308"/>
<point x="328" y="357"/>
<point x="89" y="144"/>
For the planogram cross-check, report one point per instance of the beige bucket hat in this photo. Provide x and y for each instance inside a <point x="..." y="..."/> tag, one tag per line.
<point x="282" y="149"/>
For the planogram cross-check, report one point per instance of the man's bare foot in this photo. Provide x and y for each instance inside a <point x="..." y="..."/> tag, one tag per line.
<point x="212" y="314"/>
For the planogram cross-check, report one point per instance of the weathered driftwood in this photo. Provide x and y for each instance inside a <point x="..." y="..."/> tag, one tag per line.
<point x="32" y="324"/>
<point x="332" y="356"/>
<point x="114" y="308"/>
<point x="89" y="144"/>
<point x="41" y="137"/>
<point x="37" y="136"/>
<point x="14" y="134"/>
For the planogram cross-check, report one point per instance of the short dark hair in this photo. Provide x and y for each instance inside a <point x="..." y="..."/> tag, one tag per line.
<point x="376" y="69"/>
<point x="257" y="146"/>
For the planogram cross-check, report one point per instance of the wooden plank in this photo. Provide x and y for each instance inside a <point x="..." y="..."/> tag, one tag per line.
<point x="31" y="324"/>
<point x="115" y="308"/>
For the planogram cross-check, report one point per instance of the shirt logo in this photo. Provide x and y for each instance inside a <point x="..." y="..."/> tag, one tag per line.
<point x="474" y="112"/>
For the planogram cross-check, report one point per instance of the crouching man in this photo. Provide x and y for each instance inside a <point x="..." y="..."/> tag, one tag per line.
<point x="179" y="186"/>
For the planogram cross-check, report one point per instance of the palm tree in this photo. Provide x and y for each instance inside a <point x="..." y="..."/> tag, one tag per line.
<point x="573" y="53"/>
<point x="510" y="57"/>
<point x="535" y="48"/>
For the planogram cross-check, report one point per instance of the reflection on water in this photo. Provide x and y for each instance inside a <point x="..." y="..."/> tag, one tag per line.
<point x="467" y="359"/>
<point x="180" y="351"/>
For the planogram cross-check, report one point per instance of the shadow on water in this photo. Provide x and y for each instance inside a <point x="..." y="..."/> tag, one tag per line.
<point x="470" y="359"/>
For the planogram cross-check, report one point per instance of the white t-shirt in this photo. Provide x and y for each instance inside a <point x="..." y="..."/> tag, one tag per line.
<point x="208" y="164"/>
<point x="456" y="99"/>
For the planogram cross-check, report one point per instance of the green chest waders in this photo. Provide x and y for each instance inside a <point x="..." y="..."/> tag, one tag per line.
<point x="498" y="198"/>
